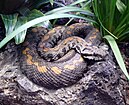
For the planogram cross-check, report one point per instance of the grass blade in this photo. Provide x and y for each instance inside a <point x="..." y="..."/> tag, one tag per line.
<point x="121" y="6"/>
<point x="51" y="1"/>
<point x="36" y="21"/>
<point x="64" y="10"/>
<point x="19" y="38"/>
<point x="80" y="1"/>
<point x="9" y="20"/>
<point x="117" y="54"/>
<point x="112" y="8"/>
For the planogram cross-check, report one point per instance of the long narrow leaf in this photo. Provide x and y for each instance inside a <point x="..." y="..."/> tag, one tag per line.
<point x="80" y="1"/>
<point x="67" y="9"/>
<point x="36" y="14"/>
<point x="36" y="21"/>
<point x="51" y="1"/>
<point x="19" y="38"/>
<point x="112" y="7"/>
<point x="9" y="22"/>
<point x="121" y="6"/>
<point x="117" y="54"/>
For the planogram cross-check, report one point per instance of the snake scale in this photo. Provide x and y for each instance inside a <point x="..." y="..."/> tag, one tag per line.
<point x="58" y="58"/>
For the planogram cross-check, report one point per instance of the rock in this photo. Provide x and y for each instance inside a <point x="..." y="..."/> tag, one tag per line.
<point x="101" y="85"/>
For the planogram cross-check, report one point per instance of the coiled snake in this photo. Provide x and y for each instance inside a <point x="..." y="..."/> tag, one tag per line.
<point x="58" y="58"/>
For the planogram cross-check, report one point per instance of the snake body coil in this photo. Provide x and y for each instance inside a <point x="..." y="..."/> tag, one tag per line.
<point x="57" y="59"/>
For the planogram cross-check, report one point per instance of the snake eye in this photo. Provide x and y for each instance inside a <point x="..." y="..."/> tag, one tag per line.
<point x="64" y="50"/>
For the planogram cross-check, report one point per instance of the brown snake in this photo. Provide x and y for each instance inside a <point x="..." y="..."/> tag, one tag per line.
<point x="58" y="58"/>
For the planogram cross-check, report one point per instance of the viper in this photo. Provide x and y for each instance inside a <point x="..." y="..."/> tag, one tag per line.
<point x="58" y="58"/>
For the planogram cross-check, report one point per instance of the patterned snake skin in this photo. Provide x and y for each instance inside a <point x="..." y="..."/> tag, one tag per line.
<point x="58" y="58"/>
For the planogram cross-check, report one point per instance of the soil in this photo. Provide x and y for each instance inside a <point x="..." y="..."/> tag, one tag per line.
<point x="103" y="84"/>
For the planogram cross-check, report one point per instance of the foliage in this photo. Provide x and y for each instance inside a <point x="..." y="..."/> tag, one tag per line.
<point x="113" y="21"/>
<point x="113" y="17"/>
<point x="35" y="17"/>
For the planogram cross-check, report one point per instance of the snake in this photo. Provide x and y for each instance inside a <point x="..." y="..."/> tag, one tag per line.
<point x="57" y="58"/>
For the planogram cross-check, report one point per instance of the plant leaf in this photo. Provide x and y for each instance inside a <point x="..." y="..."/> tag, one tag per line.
<point x="9" y="22"/>
<point x="19" y="38"/>
<point x="80" y="1"/>
<point x="121" y="6"/>
<point x="38" y="3"/>
<point x="65" y="9"/>
<point x="36" y="21"/>
<point x="51" y="1"/>
<point x="117" y="54"/>
<point x="36" y="14"/>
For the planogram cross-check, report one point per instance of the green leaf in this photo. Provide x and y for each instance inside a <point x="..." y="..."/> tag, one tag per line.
<point x="51" y="1"/>
<point x="37" y="21"/>
<point x="38" y="3"/>
<point x="117" y="54"/>
<point x="80" y="1"/>
<point x="121" y="6"/>
<point x="113" y="17"/>
<point x="36" y="14"/>
<point x="9" y="22"/>
<point x="19" y="38"/>
<point x="66" y="9"/>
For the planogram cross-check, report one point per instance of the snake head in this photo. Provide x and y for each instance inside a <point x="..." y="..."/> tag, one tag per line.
<point x="94" y="53"/>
